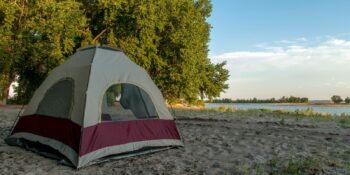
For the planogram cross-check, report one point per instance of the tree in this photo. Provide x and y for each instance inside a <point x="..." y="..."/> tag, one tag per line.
<point x="7" y="43"/>
<point x="224" y="100"/>
<point x="36" y="37"/>
<point x="304" y="100"/>
<point x="214" y="79"/>
<point x="347" y="100"/>
<point x="167" y="38"/>
<point x="336" y="99"/>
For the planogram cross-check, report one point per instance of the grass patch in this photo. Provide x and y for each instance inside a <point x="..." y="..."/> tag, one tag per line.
<point x="344" y="121"/>
<point x="291" y="166"/>
<point x="296" y="166"/>
<point x="298" y="115"/>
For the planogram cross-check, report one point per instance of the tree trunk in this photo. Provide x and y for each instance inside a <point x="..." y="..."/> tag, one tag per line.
<point x="202" y="95"/>
<point x="5" y="94"/>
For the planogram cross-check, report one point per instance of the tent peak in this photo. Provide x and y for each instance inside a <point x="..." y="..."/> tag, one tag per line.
<point x="100" y="47"/>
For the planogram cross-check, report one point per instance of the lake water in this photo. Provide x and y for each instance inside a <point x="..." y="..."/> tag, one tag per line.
<point x="335" y="110"/>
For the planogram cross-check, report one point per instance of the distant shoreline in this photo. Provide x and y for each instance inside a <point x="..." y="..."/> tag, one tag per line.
<point x="297" y="104"/>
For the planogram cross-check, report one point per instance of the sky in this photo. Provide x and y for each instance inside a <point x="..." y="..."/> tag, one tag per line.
<point x="276" y="48"/>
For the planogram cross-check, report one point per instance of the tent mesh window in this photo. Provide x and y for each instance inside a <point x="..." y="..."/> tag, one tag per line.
<point x="126" y="102"/>
<point x="58" y="100"/>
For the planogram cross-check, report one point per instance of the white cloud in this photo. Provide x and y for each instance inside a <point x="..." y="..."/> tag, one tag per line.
<point x="296" y="41"/>
<point x="315" y="71"/>
<point x="338" y="42"/>
<point x="302" y="39"/>
<point x="240" y="55"/>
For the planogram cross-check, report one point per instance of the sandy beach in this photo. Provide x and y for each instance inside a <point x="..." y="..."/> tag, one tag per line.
<point x="215" y="143"/>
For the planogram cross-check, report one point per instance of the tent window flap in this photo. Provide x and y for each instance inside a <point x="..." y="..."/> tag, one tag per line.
<point x="127" y="102"/>
<point x="58" y="100"/>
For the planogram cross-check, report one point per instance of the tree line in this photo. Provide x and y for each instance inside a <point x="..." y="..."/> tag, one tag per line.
<point x="167" y="38"/>
<point x="283" y="99"/>
<point x="337" y="99"/>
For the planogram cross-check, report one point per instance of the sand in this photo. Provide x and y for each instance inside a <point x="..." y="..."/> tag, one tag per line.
<point x="215" y="143"/>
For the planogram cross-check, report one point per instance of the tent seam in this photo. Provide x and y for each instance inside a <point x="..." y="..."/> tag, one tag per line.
<point x="87" y="87"/>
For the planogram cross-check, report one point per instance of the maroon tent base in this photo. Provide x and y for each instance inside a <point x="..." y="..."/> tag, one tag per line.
<point x="102" y="135"/>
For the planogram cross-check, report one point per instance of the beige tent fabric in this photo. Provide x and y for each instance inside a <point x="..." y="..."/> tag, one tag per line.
<point x="58" y="100"/>
<point x="77" y="68"/>
<point x="93" y="71"/>
<point x="65" y="150"/>
<point x="117" y="149"/>
<point x="110" y="67"/>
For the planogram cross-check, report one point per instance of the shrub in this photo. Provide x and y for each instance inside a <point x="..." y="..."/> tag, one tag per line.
<point x="347" y="100"/>
<point x="336" y="99"/>
<point x="291" y="165"/>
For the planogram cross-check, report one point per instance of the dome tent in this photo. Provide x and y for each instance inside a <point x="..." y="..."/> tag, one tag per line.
<point x="97" y="103"/>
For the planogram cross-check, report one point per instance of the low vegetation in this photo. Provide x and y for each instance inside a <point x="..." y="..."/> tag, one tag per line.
<point x="337" y="99"/>
<point x="347" y="100"/>
<point x="291" y="165"/>
<point x="283" y="99"/>
<point x="298" y="115"/>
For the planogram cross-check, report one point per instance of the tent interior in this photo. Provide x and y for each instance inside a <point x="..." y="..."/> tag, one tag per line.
<point x="126" y="102"/>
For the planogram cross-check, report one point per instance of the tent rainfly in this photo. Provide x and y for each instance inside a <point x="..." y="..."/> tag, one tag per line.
<point x="98" y="103"/>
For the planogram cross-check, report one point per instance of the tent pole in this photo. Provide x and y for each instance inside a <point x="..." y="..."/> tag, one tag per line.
<point x="16" y="120"/>
<point x="171" y="106"/>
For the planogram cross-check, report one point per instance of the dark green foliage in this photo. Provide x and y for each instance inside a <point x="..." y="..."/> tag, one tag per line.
<point x="213" y="80"/>
<point x="296" y="166"/>
<point x="283" y="99"/>
<point x="167" y="38"/>
<point x="36" y="37"/>
<point x="347" y="100"/>
<point x="336" y="99"/>
<point x="293" y="99"/>
<point x="224" y="100"/>
<point x="113" y="92"/>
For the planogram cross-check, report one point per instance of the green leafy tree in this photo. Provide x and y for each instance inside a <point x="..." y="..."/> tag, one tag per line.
<point x="38" y="36"/>
<point x="347" y="100"/>
<point x="336" y="99"/>
<point x="283" y="99"/>
<point x="167" y="38"/>
<point x="224" y="100"/>
<point x="8" y="51"/>
<point x="304" y="100"/>
<point x="214" y="80"/>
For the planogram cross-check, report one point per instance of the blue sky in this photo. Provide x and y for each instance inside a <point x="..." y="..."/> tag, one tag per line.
<point x="283" y="47"/>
